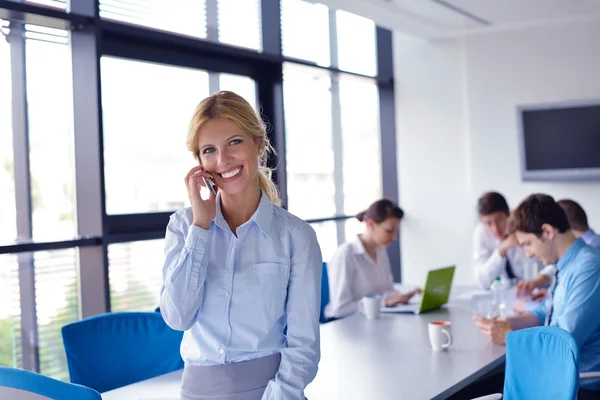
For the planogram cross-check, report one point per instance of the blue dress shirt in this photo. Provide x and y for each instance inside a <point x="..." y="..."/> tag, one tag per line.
<point x="575" y="304"/>
<point x="246" y="297"/>
<point x="591" y="239"/>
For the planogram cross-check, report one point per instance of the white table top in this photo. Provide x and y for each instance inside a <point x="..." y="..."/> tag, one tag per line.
<point x="388" y="358"/>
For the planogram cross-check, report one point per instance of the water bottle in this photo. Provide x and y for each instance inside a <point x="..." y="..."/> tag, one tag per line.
<point x="498" y="301"/>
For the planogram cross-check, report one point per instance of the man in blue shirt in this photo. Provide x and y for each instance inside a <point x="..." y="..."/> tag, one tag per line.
<point x="542" y="228"/>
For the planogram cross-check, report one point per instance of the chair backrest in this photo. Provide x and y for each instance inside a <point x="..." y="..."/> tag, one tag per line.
<point x="111" y="350"/>
<point x="541" y="363"/>
<point x="26" y="385"/>
<point x="324" y="293"/>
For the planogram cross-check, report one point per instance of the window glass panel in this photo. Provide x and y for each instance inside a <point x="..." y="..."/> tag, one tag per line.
<point x="57" y="305"/>
<point x="352" y="227"/>
<point x="356" y="43"/>
<point x="135" y="275"/>
<point x="51" y="140"/>
<point x="242" y="85"/>
<point x="146" y="109"/>
<point x="240" y="23"/>
<point x="309" y="147"/>
<point x="61" y="4"/>
<point x="8" y="221"/>
<point x="327" y="237"/>
<point x="10" y="312"/>
<point x="361" y="143"/>
<point x="187" y="17"/>
<point x="305" y="31"/>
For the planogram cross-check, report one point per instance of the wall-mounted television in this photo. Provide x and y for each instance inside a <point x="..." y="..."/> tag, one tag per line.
<point x="560" y="141"/>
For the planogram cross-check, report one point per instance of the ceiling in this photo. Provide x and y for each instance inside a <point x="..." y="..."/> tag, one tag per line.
<point x="455" y="18"/>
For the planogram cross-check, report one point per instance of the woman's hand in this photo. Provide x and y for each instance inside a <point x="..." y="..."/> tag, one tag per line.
<point x="400" y="298"/>
<point x="204" y="210"/>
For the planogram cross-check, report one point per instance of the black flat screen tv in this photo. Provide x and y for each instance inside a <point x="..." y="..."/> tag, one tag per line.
<point x="560" y="142"/>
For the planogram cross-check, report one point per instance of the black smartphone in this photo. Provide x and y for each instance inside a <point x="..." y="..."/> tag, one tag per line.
<point x="210" y="185"/>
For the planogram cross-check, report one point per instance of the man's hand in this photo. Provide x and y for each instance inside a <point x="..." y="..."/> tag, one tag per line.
<point x="525" y="288"/>
<point x="509" y="242"/>
<point x="519" y="306"/>
<point x="496" y="328"/>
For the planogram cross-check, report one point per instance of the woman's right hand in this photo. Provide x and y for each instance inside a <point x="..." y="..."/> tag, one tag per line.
<point x="204" y="210"/>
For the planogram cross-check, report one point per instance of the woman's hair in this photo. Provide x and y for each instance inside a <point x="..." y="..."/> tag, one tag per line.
<point x="231" y="106"/>
<point x="380" y="211"/>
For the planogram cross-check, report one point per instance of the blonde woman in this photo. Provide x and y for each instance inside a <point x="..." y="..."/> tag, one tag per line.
<point x="241" y="276"/>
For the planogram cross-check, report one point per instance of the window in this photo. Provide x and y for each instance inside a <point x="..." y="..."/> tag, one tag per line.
<point x="135" y="275"/>
<point x="242" y="85"/>
<point x="10" y="312"/>
<point x="361" y="143"/>
<point x="305" y="31"/>
<point x="239" y="23"/>
<point x="327" y="237"/>
<point x="57" y="305"/>
<point x="146" y="111"/>
<point x="309" y="148"/>
<point x="8" y="217"/>
<point x="352" y="227"/>
<point x="51" y="140"/>
<point x="61" y="4"/>
<point x="356" y="43"/>
<point x="187" y="17"/>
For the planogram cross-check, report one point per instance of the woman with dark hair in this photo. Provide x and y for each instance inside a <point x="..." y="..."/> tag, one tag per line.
<point x="361" y="267"/>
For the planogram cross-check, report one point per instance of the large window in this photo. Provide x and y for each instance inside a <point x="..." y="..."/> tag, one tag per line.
<point x="57" y="305"/>
<point x="93" y="154"/>
<point x="356" y="43"/>
<point x="186" y="17"/>
<point x="361" y="150"/>
<point x="8" y="233"/>
<point x="305" y="31"/>
<point x="309" y="142"/>
<point x="51" y="142"/>
<point x="135" y="275"/>
<point x="10" y="312"/>
<point x="146" y="111"/>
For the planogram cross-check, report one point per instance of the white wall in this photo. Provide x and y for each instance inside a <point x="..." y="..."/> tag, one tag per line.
<point x="432" y="155"/>
<point x="457" y="130"/>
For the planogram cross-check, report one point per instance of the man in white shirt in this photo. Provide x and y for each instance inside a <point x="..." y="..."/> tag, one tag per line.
<point x="494" y="251"/>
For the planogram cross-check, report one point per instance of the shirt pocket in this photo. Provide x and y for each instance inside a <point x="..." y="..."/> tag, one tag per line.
<point x="272" y="280"/>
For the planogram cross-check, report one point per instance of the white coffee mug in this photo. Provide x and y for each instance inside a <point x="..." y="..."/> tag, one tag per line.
<point x="440" y="335"/>
<point x="370" y="306"/>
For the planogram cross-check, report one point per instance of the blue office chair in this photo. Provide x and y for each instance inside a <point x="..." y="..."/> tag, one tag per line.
<point x="111" y="350"/>
<point x="542" y="362"/>
<point x="19" y="384"/>
<point x="324" y="293"/>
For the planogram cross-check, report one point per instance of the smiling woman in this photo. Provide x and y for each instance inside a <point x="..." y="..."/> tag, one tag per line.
<point x="239" y="270"/>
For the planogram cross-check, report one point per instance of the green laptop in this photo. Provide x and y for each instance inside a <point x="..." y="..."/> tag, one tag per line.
<point x="435" y="293"/>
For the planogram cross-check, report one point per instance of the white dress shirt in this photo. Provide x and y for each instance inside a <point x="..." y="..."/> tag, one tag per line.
<point x="591" y="239"/>
<point x="353" y="274"/>
<point x="246" y="297"/>
<point x="489" y="263"/>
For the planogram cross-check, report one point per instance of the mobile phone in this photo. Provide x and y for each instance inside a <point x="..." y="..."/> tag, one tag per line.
<point x="210" y="185"/>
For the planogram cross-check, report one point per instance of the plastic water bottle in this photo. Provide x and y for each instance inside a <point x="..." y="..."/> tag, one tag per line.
<point x="498" y="300"/>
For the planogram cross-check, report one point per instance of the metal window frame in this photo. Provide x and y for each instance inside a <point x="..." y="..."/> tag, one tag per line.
<point x="29" y="331"/>
<point x="90" y="39"/>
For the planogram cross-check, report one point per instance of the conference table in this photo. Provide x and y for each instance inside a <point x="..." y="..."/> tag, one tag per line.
<point x="385" y="358"/>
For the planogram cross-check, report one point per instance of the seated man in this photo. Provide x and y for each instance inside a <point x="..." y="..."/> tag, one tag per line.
<point x="542" y="228"/>
<point x="579" y="226"/>
<point x="495" y="252"/>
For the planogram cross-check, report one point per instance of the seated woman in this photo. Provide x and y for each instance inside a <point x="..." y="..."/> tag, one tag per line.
<point x="361" y="267"/>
